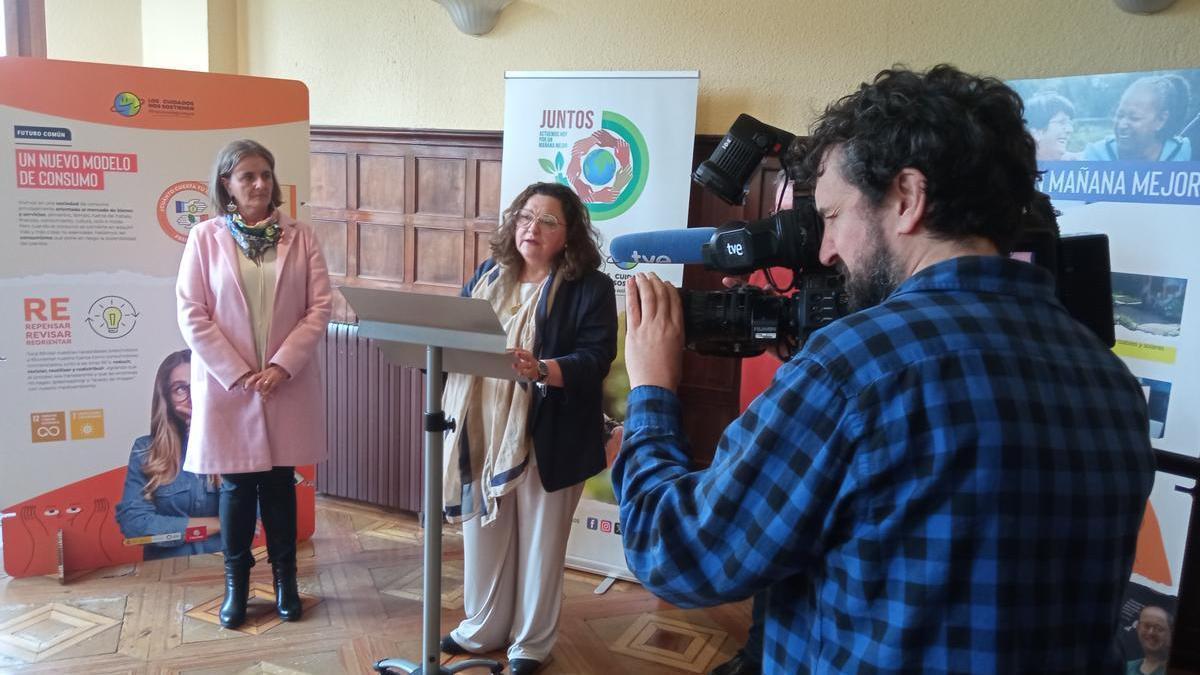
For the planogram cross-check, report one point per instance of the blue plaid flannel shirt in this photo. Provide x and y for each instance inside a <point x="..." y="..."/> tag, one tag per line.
<point x="952" y="480"/>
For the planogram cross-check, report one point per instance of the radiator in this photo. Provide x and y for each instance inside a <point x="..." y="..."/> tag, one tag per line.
<point x="374" y="424"/>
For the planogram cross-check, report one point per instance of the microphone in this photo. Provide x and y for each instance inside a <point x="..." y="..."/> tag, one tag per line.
<point x="665" y="246"/>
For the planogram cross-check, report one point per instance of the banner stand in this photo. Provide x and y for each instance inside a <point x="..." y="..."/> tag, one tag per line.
<point x="622" y="141"/>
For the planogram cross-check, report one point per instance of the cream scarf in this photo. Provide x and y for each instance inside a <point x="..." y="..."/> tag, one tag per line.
<point x="487" y="452"/>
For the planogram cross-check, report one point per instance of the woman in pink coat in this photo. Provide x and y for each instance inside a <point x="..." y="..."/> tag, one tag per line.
<point x="254" y="300"/>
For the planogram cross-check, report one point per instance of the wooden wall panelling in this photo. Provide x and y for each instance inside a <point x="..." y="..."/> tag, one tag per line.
<point x="487" y="193"/>
<point x="470" y="213"/>
<point x="380" y="185"/>
<point x="329" y="183"/>
<point x="486" y="216"/>
<point x="441" y="184"/>
<point x="410" y="206"/>
<point x="381" y="193"/>
<point x="416" y="203"/>
<point x="439" y="253"/>
<point x="333" y="237"/>
<point x="441" y="219"/>
<point x="328" y="205"/>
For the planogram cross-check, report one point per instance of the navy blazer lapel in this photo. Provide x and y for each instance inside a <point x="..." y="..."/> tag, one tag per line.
<point x="542" y="315"/>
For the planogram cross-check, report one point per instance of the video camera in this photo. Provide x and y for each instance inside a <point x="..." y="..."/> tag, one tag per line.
<point x="745" y="321"/>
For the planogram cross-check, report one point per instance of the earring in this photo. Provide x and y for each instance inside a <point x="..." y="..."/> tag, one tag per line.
<point x="231" y="206"/>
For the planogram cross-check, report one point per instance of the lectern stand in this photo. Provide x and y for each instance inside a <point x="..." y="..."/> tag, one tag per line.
<point x="441" y="334"/>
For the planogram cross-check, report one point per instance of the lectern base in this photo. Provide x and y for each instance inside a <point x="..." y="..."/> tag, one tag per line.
<point x="388" y="666"/>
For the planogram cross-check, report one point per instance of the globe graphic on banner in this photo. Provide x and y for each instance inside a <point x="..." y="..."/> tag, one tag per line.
<point x="599" y="167"/>
<point x="606" y="168"/>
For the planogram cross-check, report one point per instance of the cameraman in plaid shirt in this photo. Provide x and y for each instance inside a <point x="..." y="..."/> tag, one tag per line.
<point x="949" y="480"/>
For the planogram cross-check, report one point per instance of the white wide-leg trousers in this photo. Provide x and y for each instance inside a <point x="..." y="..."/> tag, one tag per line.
<point x="513" y="571"/>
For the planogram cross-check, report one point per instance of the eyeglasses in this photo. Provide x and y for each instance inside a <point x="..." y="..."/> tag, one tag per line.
<point x="181" y="391"/>
<point x="545" y="221"/>
<point x="1152" y="628"/>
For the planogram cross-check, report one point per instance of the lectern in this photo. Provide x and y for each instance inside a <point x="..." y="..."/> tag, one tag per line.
<point x="440" y="334"/>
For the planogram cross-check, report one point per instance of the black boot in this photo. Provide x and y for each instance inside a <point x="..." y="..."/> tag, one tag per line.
<point x="287" y="596"/>
<point x="237" y="591"/>
<point x="239" y="496"/>
<point x="277" y="505"/>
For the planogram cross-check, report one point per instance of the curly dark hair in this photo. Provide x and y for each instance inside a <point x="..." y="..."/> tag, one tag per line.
<point x="582" y="252"/>
<point x="965" y="133"/>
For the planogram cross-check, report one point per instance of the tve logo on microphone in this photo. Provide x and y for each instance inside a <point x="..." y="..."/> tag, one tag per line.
<point x="638" y="257"/>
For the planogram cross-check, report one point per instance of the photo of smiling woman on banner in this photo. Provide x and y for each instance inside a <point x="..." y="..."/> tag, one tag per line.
<point x="162" y="503"/>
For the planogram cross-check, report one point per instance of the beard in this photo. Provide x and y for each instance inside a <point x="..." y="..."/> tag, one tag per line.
<point x="879" y="276"/>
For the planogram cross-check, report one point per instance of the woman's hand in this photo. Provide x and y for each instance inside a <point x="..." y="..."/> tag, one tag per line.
<point x="241" y="381"/>
<point x="612" y="447"/>
<point x="266" y="380"/>
<point x="525" y="364"/>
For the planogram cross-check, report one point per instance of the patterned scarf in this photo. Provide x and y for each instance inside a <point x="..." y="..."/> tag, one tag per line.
<point x="257" y="240"/>
<point x="488" y="450"/>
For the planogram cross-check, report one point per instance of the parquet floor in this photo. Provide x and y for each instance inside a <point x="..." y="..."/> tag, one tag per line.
<point x="361" y="581"/>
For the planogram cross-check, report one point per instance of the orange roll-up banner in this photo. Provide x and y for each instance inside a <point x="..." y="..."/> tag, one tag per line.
<point x="103" y="172"/>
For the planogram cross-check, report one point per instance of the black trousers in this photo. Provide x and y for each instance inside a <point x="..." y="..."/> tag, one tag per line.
<point x="269" y="493"/>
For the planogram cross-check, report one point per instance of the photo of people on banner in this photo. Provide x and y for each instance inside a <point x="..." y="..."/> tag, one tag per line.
<point x="1147" y="619"/>
<point x="1118" y="117"/>
<point x="163" y="511"/>
<point x="168" y="511"/>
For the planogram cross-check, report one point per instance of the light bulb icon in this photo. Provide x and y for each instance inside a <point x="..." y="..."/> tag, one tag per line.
<point x="112" y="319"/>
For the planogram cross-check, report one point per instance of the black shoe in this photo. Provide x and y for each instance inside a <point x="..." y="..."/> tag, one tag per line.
<point x="740" y="664"/>
<point x="287" y="596"/>
<point x="237" y="591"/>
<point x="523" y="666"/>
<point x="451" y="647"/>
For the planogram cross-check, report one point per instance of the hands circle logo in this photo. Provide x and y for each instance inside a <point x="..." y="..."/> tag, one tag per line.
<point x="607" y="169"/>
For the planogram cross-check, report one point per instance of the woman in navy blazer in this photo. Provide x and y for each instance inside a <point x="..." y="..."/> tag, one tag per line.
<point x="524" y="449"/>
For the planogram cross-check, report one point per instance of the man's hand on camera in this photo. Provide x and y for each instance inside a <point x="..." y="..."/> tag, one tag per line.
<point x="735" y="281"/>
<point x="654" y="336"/>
